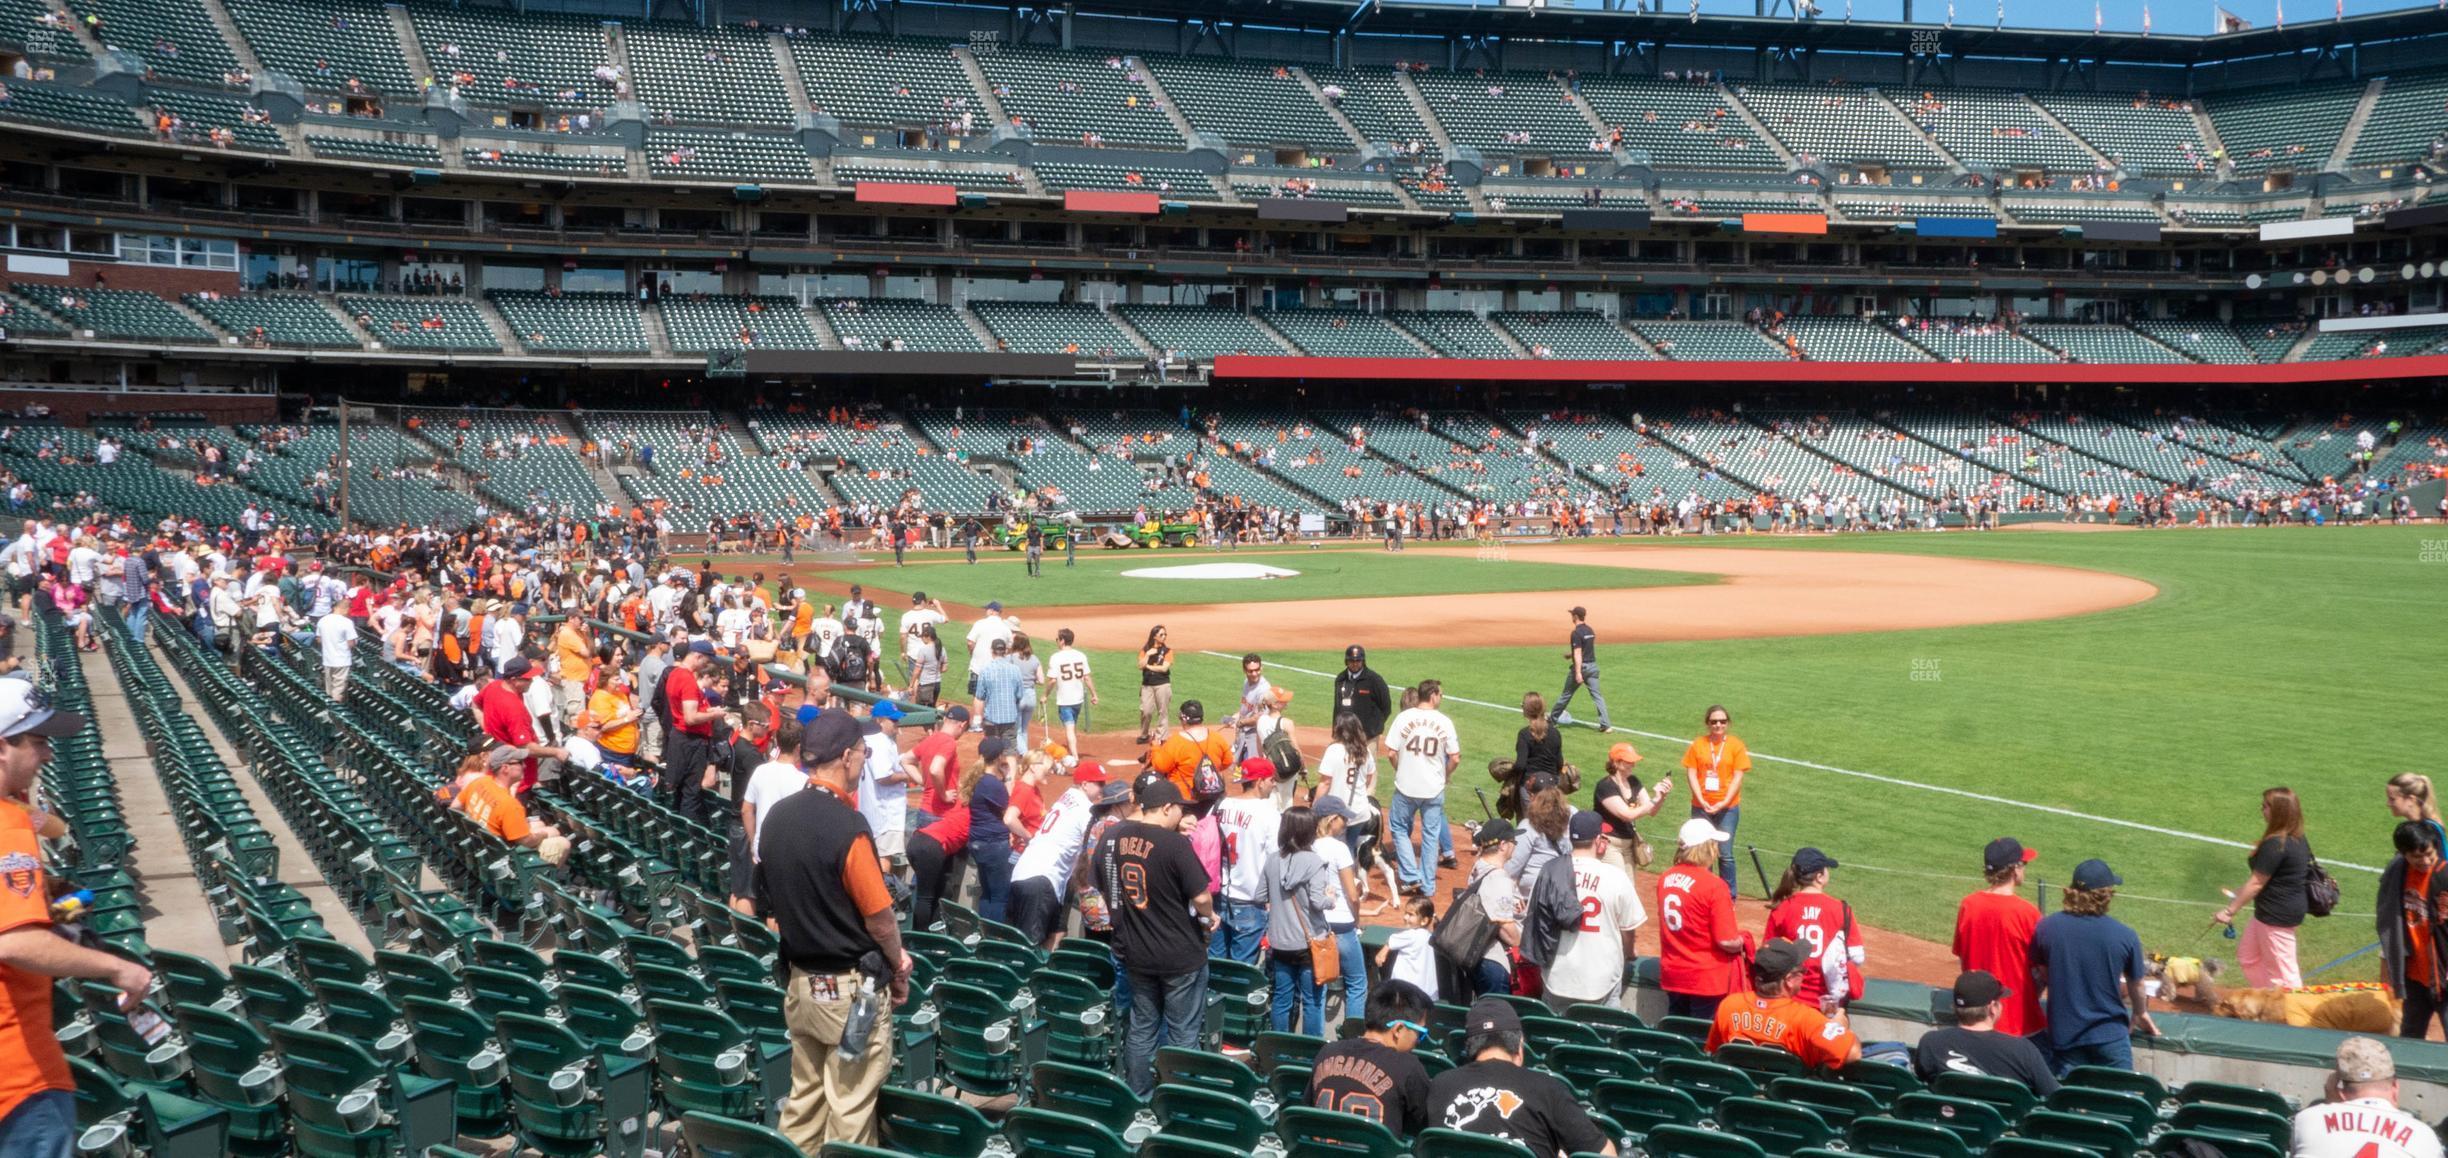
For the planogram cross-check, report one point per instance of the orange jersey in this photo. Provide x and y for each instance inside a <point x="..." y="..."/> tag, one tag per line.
<point x="1797" y="1027"/>
<point x="1178" y="757"/>
<point x="1714" y="766"/>
<point x="31" y="1061"/>
<point x="488" y="803"/>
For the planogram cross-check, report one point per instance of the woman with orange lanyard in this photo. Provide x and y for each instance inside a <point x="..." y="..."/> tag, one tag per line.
<point x="1716" y="764"/>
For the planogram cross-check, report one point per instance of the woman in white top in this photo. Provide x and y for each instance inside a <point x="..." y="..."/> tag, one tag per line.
<point x="1348" y="770"/>
<point x="731" y="623"/>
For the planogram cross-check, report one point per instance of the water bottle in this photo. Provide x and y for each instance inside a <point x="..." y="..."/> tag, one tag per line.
<point x="859" y="1030"/>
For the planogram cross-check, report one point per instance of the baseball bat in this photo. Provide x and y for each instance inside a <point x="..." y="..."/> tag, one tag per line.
<point x="1756" y="866"/>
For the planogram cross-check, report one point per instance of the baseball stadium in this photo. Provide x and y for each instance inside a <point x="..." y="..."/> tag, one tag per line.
<point x="2021" y="442"/>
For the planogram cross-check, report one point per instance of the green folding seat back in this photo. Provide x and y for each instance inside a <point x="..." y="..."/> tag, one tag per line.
<point x="1274" y="1050"/>
<point x="1309" y="1132"/>
<point x="2137" y="1115"/>
<point x="708" y="1063"/>
<point x="568" y="1098"/>
<point x="1210" y="1115"/>
<point x="1710" y="1082"/>
<point x="1882" y="1079"/>
<point x="367" y="1017"/>
<point x="233" y="1067"/>
<point x="1036" y="1133"/>
<point x="1183" y="1146"/>
<point x="1238" y="997"/>
<point x="345" y="1102"/>
<point x="1642" y="1106"/>
<point x="606" y="1021"/>
<point x="1094" y="1094"/>
<point x="194" y="980"/>
<point x="1773" y="1126"/>
<point x="499" y="991"/>
<point x="2012" y="1098"/>
<point x="712" y="1137"/>
<point x="930" y="1125"/>
<point x="1835" y="1102"/>
<point x="1695" y="1028"/>
<point x="1654" y="1045"/>
<point x="408" y="975"/>
<point x="1081" y="1022"/>
<point x="1693" y="1142"/>
<point x="1439" y="1142"/>
<point x="147" y="1121"/>
<point x="579" y="968"/>
<point x="2016" y="1146"/>
<point x="2140" y="1085"/>
<point x="2243" y="1122"/>
<point x="2230" y="1094"/>
<point x="2185" y="1142"/>
<point x="1762" y="1062"/>
<point x="1894" y="1138"/>
<point x="1179" y="1066"/>
<point x="276" y="997"/>
<point x="983" y="1044"/>
<point x="457" y="1045"/>
<point x="1980" y="1123"/>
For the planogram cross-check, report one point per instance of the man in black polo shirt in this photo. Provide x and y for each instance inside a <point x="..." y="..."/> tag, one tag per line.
<point x="1582" y="654"/>
<point x="1162" y="914"/>
<point x="821" y="881"/>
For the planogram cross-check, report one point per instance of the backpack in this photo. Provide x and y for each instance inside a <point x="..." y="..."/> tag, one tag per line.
<point x="848" y="663"/>
<point x="659" y="703"/>
<point x="1283" y="753"/>
<point x="1464" y="934"/>
<point x="1555" y="905"/>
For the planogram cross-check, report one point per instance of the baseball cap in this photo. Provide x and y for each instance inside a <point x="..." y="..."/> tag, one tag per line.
<point x="1088" y="772"/>
<point x="1283" y="696"/>
<point x="1257" y="768"/>
<point x="518" y="667"/>
<point x="917" y="596"/>
<point x="1978" y="987"/>
<point x="1810" y="860"/>
<point x="1580" y="612"/>
<point x="957" y="714"/>
<point x="809" y="712"/>
<point x="25" y="710"/>
<point x="887" y="710"/>
<point x="1160" y="794"/>
<point x="1586" y="826"/>
<point x="993" y="748"/>
<point x="1113" y="795"/>
<point x="504" y="754"/>
<point x="1355" y="653"/>
<point x="1000" y="646"/>
<point x="1623" y="754"/>
<point x="2363" y="1059"/>
<point x="827" y="737"/>
<point x="1193" y="712"/>
<point x="2006" y="852"/>
<point x="1496" y="831"/>
<point x="1697" y="831"/>
<point x="1140" y="782"/>
<point x="994" y="605"/>
<point x="1492" y="1015"/>
<point x="1332" y="806"/>
<point x="701" y="647"/>
<point x="1778" y="958"/>
<point x="2095" y="874"/>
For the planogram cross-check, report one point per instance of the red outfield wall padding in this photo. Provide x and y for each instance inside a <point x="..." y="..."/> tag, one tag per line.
<point x="1245" y="367"/>
<point x="1784" y="222"/>
<point x="1094" y="201"/>
<point x="896" y="193"/>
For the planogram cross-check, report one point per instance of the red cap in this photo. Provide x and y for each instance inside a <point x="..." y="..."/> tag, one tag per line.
<point x="1257" y="768"/>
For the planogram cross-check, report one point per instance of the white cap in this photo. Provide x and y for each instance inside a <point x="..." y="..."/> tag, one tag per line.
<point x="1698" y="831"/>
<point x="26" y="710"/>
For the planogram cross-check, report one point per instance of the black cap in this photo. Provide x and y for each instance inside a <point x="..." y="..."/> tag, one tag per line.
<point x="827" y="737"/>
<point x="1492" y="1015"/>
<point x="1977" y="988"/>
<point x="993" y="748"/>
<point x="1496" y="830"/>
<point x="1778" y="958"/>
<point x="917" y="596"/>
<point x="1193" y="712"/>
<point x="1810" y="860"/>
<point x="1355" y="653"/>
<point x="2004" y="853"/>
<point x="518" y="667"/>
<point x="1160" y="794"/>
<point x="999" y="646"/>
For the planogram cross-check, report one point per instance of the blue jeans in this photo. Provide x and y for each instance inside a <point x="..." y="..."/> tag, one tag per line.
<point x="1726" y="822"/>
<point x="1290" y="982"/>
<point x="1240" y="926"/>
<point x="2116" y="1054"/>
<point x="1177" y="1004"/>
<point x="1433" y="835"/>
<point x="139" y="618"/>
<point x="1355" y="973"/>
<point x="42" y="1126"/>
<point x="1587" y="677"/>
<point x="1489" y="977"/>
<point x="994" y="865"/>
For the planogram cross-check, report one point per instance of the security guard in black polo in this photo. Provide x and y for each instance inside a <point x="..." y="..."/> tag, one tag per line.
<point x="824" y="888"/>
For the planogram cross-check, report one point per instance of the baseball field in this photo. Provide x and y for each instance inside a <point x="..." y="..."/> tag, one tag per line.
<point x="1907" y="697"/>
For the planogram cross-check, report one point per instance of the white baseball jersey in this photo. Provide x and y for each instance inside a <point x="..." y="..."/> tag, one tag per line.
<point x="1055" y="847"/>
<point x="1069" y="671"/>
<point x="1589" y="957"/>
<point x="1421" y="739"/>
<point x="823" y="634"/>
<point x="2362" y="1128"/>
<point x="1249" y="827"/>
<point x="984" y="632"/>
<point x="911" y="621"/>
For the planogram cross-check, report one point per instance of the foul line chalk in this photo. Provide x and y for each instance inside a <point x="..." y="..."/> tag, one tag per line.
<point x="1898" y="781"/>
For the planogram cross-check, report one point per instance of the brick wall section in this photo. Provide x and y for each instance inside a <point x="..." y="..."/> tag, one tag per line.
<point x="77" y="407"/>
<point x="166" y="280"/>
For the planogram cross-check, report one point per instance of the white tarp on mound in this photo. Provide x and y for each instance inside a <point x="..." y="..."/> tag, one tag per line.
<point x="1210" y="571"/>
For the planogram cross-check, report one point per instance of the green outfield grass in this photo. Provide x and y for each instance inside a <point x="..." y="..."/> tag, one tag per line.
<point x="2298" y="657"/>
<point x="1324" y="574"/>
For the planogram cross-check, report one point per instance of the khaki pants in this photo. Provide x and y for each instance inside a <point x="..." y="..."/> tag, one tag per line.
<point x="650" y="739"/>
<point x="831" y="1100"/>
<point x="1156" y="710"/>
<point x="1618" y="852"/>
<point x="335" y="683"/>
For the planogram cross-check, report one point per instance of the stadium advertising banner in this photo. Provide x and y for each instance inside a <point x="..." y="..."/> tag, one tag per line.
<point x="1094" y="201"/>
<point x="1965" y="227"/>
<point x="897" y="193"/>
<point x="1784" y="223"/>
<point x="2298" y="230"/>
<point x="1302" y="209"/>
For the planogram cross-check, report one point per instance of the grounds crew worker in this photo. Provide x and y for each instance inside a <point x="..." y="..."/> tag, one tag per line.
<point x="37" y="1092"/>
<point x="821" y="881"/>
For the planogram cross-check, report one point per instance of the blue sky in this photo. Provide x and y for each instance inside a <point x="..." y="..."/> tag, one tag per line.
<point x="2189" y="17"/>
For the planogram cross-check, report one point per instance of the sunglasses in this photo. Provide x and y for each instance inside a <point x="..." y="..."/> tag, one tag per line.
<point x="1717" y="722"/>
<point x="1413" y="1026"/>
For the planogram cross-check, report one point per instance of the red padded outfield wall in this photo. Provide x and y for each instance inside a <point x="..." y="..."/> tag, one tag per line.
<point x="1253" y="368"/>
